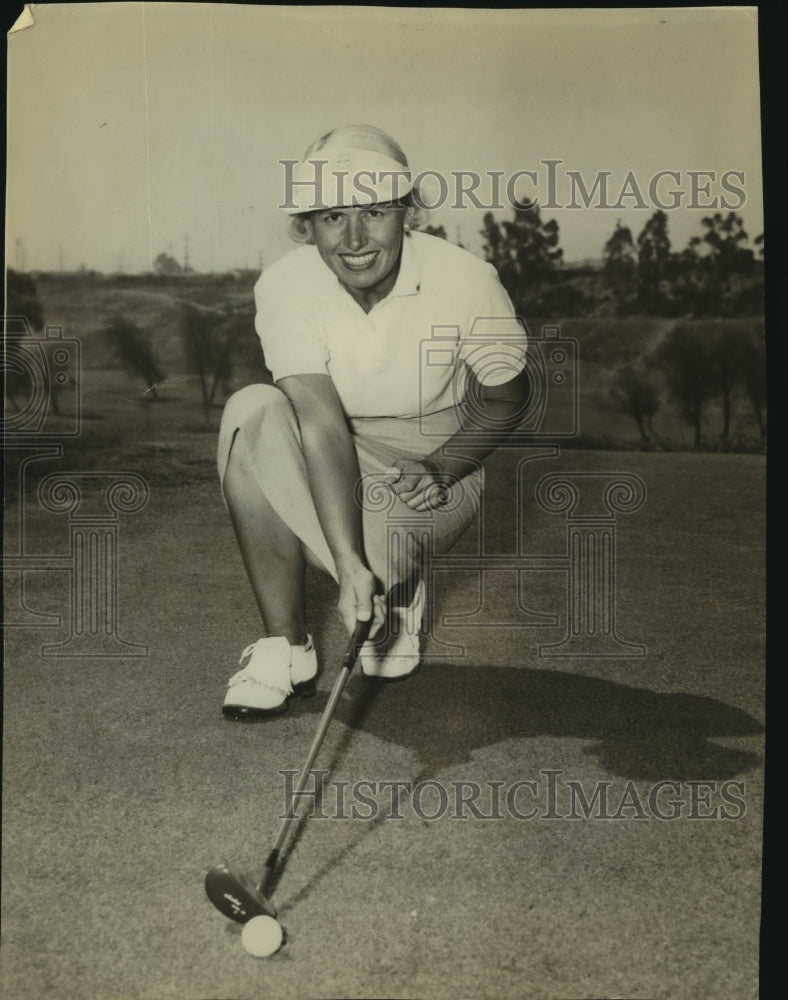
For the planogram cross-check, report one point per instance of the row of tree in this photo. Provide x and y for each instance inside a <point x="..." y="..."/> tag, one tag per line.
<point x="211" y="339"/>
<point x="696" y="364"/>
<point x="716" y="274"/>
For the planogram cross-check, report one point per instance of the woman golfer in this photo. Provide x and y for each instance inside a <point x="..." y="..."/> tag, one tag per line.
<point x="398" y="366"/>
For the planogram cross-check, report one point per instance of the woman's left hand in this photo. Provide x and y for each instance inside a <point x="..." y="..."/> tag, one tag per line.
<point x="419" y="484"/>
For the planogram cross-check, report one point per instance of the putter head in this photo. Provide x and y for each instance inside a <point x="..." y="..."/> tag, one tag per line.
<point x="235" y="895"/>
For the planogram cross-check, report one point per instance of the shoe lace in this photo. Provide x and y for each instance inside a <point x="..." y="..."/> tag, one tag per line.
<point x="274" y="674"/>
<point x="247" y="653"/>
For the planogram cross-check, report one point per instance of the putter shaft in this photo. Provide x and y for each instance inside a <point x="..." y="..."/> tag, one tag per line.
<point x="359" y="637"/>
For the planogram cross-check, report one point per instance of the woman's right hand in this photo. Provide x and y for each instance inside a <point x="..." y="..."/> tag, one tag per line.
<point x="358" y="600"/>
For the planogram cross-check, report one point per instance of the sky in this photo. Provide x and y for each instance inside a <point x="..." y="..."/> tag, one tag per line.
<point x="136" y="129"/>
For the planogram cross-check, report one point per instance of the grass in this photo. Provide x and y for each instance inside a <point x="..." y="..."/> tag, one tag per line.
<point x="109" y="763"/>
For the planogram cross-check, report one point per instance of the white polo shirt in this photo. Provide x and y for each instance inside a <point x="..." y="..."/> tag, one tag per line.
<point x="407" y="356"/>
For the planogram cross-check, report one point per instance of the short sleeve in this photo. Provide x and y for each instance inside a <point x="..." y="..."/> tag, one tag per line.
<point x="494" y="341"/>
<point x="291" y="333"/>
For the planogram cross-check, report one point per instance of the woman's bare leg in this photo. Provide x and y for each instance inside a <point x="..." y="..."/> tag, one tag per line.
<point x="271" y="552"/>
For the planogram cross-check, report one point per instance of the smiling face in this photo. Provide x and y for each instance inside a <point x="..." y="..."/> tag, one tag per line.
<point x="362" y="247"/>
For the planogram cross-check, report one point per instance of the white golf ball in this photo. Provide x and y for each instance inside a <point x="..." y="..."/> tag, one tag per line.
<point x="261" y="936"/>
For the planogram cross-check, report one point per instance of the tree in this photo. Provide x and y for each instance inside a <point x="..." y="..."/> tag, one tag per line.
<point x="720" y="276"/>
<point x="499" y="254"/>
<point x="164" y="264"/>
<point x="208" y="336"/>
<point x="653" y="263"/>
<point x="683" y="357"/>
<point x="635" y="393"/>
<point x="726" y="348"/>
<point x="725" y="237"/>
<point x="22" y="376"/>
<point x="620" y="265"/>
<point x="524" y="251"/>
<point x="22" y="300"/>
<point x="133" y="349"/>
<point x="753" y="374"/>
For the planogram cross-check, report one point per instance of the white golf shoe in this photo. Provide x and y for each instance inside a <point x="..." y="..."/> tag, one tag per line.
<point x="272" y="672"/>
<point x="395" y="654"/>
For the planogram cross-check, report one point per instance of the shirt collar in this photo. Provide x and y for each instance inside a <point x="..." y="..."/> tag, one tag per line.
<point x="409" y="278"/>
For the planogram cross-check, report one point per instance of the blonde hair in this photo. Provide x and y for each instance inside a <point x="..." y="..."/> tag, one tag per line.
<point x="356" y="137"/>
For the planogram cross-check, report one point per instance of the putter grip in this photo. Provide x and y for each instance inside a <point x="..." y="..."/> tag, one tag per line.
<point x="357" y="640"/>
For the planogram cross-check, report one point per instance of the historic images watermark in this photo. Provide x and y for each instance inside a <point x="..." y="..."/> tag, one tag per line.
<point x="552" y="185"/>
<point x="545" y="795"/>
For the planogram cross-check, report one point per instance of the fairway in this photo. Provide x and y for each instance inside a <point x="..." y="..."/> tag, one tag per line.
<point x="123" y="784"/>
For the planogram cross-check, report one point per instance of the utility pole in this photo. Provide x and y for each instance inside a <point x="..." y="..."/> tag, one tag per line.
<point x="186" y="253"/>
<point x="19" y="245"/>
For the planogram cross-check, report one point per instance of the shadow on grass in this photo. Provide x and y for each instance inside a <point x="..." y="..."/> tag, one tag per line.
<point x="449" y="711"/>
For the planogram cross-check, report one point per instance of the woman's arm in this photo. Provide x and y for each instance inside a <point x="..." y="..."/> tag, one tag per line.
<point x="333" y="472"/>
<point x="489" y="414"/>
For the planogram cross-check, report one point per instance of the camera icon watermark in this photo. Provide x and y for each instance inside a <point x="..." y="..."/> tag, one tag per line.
<point x="497" y="349"/>
<point x="42" y="385"/>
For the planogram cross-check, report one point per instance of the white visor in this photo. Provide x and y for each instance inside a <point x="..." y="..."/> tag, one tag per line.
<point x="351" y="177"/>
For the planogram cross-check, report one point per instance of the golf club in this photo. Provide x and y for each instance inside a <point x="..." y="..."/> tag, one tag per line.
<point x="228" y="889"/>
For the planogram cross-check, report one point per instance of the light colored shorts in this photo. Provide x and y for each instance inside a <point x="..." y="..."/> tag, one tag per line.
<point x="260" y="420"/>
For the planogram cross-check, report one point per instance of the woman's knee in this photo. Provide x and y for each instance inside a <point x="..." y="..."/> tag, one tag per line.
<point x="254" y="403"/>
<point x="250" y="401"/>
